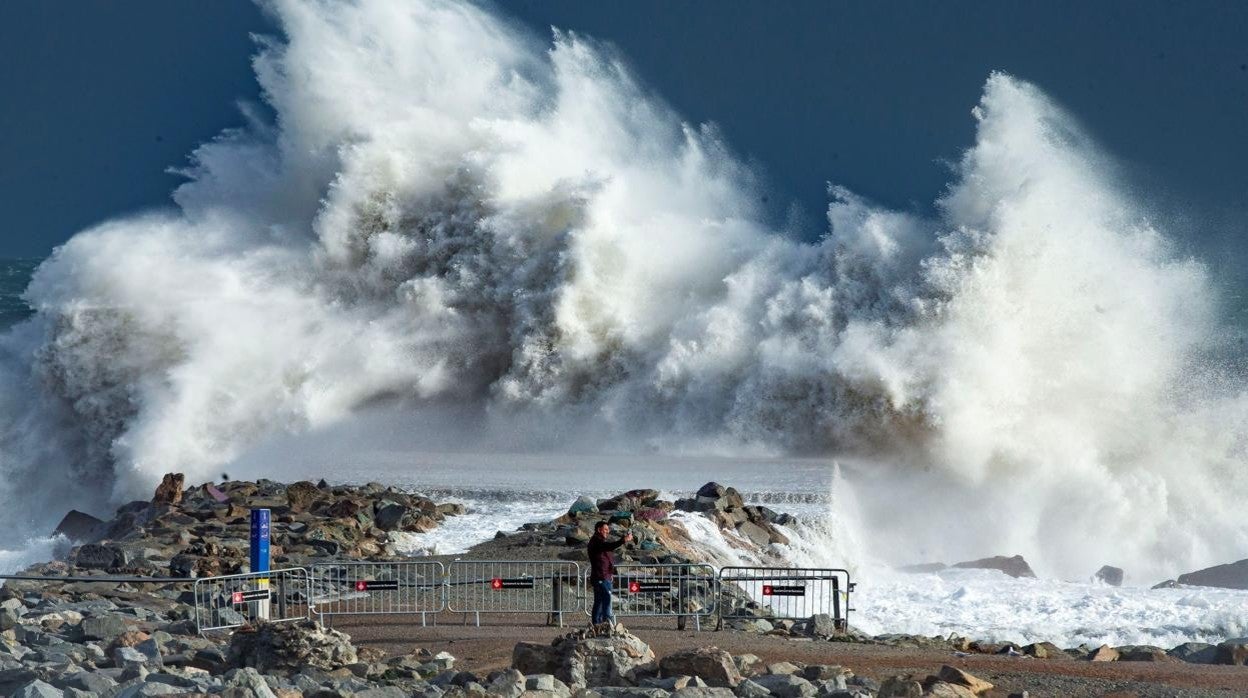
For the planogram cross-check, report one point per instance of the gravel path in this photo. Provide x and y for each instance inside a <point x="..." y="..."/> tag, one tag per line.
<point x="489" y="647"/>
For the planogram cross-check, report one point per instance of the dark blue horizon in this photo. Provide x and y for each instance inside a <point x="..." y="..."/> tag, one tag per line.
<point x="875" y="97"/>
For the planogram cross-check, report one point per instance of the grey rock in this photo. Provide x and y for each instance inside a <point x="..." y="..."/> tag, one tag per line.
<point x="381" y="692"/>
<point x="757" y="625"/>
<point x="713" y="665"/>
<point x="1110" y="575"/>
<point x="1233" y="652"/>
<point x="1194" y="652"/>
<point x="95" y="556"/>
<point x="389" y="515"/>
<point x="1014" y="566"/>
<point x="821" y="625"/>
<point x="829" y="686"/>
<point x="622" y="692"/>
<point x="508" y="684"/>
<point x="9" y="618"/>
<point x="287" y="647"/>
<point x="749" y="689"/>
<point x="540" y="682"/>
<point x="590" y="660"/>
<point x="246" y="683"/>
<point x="103" y="627"/>
<point x="822" y="672"/>
<point x="89" y="681"/>
<point x="38" y="689"/>
<point x="900" y="687"/>
<point x="1231" y="576"/>
<point x="130" y="657"/>
<point x="583" y="504"/>
<point x="152" y="688"/>
<point x="754" y="533"/>
<point x="1142" y="653"/>
<point x="786" y="685"/>
<point x="703" y="692"/>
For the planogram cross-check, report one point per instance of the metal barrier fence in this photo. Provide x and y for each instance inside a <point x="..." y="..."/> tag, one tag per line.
<point x="553" y="588"/>
<point x="679" y="591"/>
<point x="378" y="588"/>
<point x="785" y="593"/>
<point x="276" y="596"/>
<point x="514" y="586"/>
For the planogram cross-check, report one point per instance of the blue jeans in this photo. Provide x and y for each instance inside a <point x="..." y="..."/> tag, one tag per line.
<point x="602" y="602"/>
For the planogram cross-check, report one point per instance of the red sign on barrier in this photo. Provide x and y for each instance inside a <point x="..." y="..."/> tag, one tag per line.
<point x="776" y="590"/>
<point x="242" y="597"/>
<point x="499" y="583"/>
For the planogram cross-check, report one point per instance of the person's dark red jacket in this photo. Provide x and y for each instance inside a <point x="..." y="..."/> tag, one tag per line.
<point x="601" y="561"/>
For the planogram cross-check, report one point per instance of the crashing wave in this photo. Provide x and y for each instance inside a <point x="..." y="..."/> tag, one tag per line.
<point x="447" y="215"/>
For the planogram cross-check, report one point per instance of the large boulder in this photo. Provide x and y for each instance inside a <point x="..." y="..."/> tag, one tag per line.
<point x="1232" y="576"/>
<point x="282" y="648"/>
<point x="94" y="556"/>
<point x="1234" y="652"/>
<point x="301" y="495"/>
<point x="584" y="659"/>
<point x="957" y="677"/>
<point x="1110" y="575"/>
<point x="389" y="515"/>
<point x="786" y="685"/>
<point x="1014" y="566"/>
<point x="80" y="527"/>
<point x="1142" y="653"/>
<point x="1195" y="652"/>
<point x="711" y="664"/>
<point x="169" y="491"/>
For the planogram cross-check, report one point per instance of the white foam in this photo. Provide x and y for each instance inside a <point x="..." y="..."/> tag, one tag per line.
<point x="986" y="604"/>
<point x="35" y="550"/>
<point x="506" y="243"/>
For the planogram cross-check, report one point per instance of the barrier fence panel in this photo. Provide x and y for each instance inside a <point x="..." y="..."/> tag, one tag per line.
<point x="514" y="586"/>
<point x="784" y="593"/>
<point x="679" y="591"/>
<point x="231" y="601"/>
<point x="378" y="588"/>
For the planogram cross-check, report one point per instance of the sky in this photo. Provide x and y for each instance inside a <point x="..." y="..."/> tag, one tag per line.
<point x="99" y="99"/>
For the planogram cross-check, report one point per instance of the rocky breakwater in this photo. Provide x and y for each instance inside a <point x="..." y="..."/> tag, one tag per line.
<point x="105" y="636"/>
<point x="204" y="530"/>
<point x="660" y="537"/>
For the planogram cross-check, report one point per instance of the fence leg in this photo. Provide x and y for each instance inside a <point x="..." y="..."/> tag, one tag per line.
<point x="680" y="622"/>
<point x="556" y="601"/>
<point x="478" y="615"/>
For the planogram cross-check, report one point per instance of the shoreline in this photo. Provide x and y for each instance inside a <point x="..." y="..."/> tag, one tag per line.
<point x="57" y="633"/>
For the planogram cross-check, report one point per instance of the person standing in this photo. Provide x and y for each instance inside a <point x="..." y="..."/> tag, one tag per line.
<point x="602" y="572"/>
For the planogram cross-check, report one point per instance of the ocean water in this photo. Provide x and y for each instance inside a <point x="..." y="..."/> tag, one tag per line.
<point x="14" y="277"/>
<point x="468" y="258"/>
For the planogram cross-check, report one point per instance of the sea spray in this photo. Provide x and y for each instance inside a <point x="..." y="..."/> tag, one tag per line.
<point x="453" y="224"/>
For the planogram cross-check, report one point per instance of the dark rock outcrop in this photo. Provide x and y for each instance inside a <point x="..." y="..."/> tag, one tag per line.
<point x="1110" y="575"/>
<point x="1230" y="576"/>
<point x="1014" y="566"/>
